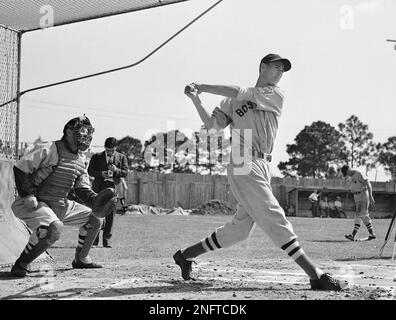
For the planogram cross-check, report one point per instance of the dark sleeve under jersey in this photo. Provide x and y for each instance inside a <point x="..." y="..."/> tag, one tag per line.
<point x="24" y="183"/>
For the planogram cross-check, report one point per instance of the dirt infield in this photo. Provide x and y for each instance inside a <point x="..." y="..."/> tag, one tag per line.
<point x="140" y="264"/>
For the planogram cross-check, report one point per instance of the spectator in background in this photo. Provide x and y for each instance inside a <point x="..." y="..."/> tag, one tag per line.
<point x="339" y="208"/>
<point x="332" y="212"/>
<point x="324" y="207"/>
<point x="291" y="211"/>
<point x="314" y="199"/>
<point x="107" y="168"/>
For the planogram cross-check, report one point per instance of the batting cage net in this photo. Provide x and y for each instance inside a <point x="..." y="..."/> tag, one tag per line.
<point x="9" y="68"/>
<point x="16" y="18"/>
<point x="38" y="14"/>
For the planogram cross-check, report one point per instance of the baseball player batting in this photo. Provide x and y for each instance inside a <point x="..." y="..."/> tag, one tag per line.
<point x="253" y="112"/>
<point x="44" y="177"/>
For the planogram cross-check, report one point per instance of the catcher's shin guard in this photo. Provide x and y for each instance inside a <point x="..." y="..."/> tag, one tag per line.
<point x="47" y="237"/>
<point x="88" y="233"/>
<point x="104" y="203"/>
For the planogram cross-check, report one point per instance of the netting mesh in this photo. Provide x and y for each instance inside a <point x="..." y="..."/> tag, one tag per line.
<point x="25" y="15"/>
<point x="8" y="90"/>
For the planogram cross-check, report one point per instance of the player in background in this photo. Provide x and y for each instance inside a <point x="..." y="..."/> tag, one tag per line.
<point x="253" y="115"/>
<point x="363" y="196"/>
<point x="314" y="199"/>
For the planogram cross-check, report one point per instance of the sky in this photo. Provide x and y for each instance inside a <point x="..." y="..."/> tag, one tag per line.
<point x="342" y="65"/>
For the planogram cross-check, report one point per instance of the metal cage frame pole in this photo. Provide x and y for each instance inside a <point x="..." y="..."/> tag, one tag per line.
<point x="19" y="37"/>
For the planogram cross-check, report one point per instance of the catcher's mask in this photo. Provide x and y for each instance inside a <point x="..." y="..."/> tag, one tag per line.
<point x="82" y="131"/>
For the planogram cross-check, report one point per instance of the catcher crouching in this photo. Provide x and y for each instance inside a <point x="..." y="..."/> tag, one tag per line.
<point x="44" y="178"/>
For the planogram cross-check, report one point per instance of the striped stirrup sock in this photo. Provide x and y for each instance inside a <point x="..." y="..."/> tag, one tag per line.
<point x="81" y="236"/>
<point x="355" y="229"/>
<point x="369" y="228"/>
<point x="210" y="243"/>
<point x="293" y="249"/>
<point x="29" y="247"/>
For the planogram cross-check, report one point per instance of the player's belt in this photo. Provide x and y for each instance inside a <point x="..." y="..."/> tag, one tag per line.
<point x="262" y="155"/>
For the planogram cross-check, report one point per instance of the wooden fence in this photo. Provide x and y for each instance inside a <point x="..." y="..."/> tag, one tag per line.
<point x="173" y="190"/>
<point x="189" y="190"/>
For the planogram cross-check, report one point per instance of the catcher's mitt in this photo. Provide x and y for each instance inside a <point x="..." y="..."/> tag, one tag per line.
<point x="104" y="203"/>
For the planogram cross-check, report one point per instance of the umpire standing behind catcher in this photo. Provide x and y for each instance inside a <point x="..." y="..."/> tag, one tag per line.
<point x="255" y="111"/>
<point x="107" y="168"/>
<point x="43" y="178"/>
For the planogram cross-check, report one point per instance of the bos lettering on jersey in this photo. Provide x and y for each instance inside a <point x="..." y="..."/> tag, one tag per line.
<point x="255" y="110"/>
<point x="245" y="108"/>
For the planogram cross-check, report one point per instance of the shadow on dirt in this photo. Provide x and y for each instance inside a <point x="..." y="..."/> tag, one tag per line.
<point x="329" y="241"/>
<point x="63" y="294"/>
<point x="175" y="286"/>
<point x="364" y="258"/>
<point x="6" y="275"/>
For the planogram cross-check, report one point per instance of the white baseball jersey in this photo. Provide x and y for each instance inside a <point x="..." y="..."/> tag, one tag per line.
<point x="358" y="181"/>
<point x="256" y="109"/>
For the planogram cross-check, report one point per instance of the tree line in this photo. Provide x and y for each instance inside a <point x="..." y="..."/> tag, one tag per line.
<point x="316" y="150"/>
<point x="319" y="147"/>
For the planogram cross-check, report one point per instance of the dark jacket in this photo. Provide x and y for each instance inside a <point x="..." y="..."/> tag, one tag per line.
<point x="98" y="164"/>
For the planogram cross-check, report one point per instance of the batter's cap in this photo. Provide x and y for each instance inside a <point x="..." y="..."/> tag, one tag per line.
<point x="272" y="57"/>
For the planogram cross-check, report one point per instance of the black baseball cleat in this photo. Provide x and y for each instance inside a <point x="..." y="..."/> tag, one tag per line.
<point x="78" y="264"/>
<point x="20" y="270"/>
<point x="350" y="237"/>
<point x="372" y="237"/>
<point x="327" y="282"/>
<point x="184" y="264"/>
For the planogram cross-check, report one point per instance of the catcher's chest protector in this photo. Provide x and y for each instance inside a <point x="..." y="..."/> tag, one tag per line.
<point x="62" y="178"/>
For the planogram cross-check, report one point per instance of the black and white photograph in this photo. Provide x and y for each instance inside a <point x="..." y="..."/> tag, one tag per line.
<point x="198" y="156"/>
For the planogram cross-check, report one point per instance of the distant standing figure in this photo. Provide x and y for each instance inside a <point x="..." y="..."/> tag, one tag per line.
<point x="332" y="212"/>
<point x="314" y="199"/>
<point x="338" y="206"/>
<point x="363" y="196"/>
<point x="107" y="168"/>
<point x="324" y="207"/>
<point x="291" y="211"/>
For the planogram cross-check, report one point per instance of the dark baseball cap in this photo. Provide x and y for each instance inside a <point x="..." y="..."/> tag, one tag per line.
<point x="110" y="142"/>
<point x="77" y="122"/>
<point x="272" y="57"/>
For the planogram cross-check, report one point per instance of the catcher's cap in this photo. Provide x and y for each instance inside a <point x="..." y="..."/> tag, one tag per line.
<point x="272" y="57"/>
<point x="77" y="122"/>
